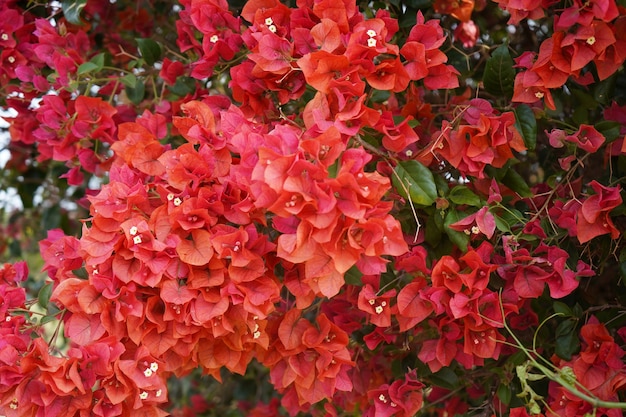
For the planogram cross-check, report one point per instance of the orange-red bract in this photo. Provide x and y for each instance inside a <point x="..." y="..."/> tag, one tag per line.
<point x="196" y="250"/>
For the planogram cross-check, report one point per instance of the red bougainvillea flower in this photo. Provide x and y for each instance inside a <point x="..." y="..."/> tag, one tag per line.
<point x="412" y="304"/>
<point x="424" y="59"/>
<point x="528" y="272"/>
<point x="309" y="362"/>
<point x="272" y="53"/>
<point x="613" y="56"/>
<point x="377" y="306"/>
<point x="554" y="64"/>
<point x="485" y="139"/>
<point x="586" y="138"/>
<point x="390" y="75"/>
<point x="437" y="353"/>
<point x="11" y="20"/>
<point x="459" y="9"/>
<point x="529" y="87"/>
<point x="522" y="412"/>
<point x="321" y="67"/>
<point x="584" y="12"/>
<point x="564" y="215"/>
<point x="598" y="368"/>
<point x="523" y="9"/>
<point x="171" y="70"/>
<point x="402" y="398"/>
<point x="11" y="275"/>
<point x="480" y="222"/>
<point x="593" y="217"/>
<point x="467" y="33"/>
<point x="482" y="341"/>
<point x="397" y="137"/>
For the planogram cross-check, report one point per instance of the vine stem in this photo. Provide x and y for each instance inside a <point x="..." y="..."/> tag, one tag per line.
<point x="555" y="189"/>
<point x="53" y="338"/>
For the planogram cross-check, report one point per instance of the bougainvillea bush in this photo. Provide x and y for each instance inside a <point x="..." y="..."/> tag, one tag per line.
<point x="326" y="208"/>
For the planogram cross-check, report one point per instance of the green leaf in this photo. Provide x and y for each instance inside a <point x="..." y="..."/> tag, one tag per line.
<point x="71" y="10"/>
<point x="419" y="4"/>
<point x="413" y="123"/>
<point x="506" y="219"/>
<point x="129" y="80"/>
<point x="86" y="67"/>
<point x="51" y="217"/>
<point x="47" y="319"/>
<point x="353" y="276"/>
<point x="98" y="60"/>
<point x="562" y="308"/>
<point x="499" y="74"/>
<point x="577" y="311"/>
<point x="610" y="129"/>
<point x="408" y="18"/>
<point x="183" y="86"/>
<point x="432" y="233"/>
<point x="580" y="115"/>
<point x="622" y="269"/>
<point x="95" y="64"/>
<point x="566" y="339"/>
<point x="604" y="91"/>
<point x="445" y="378"/>
<point x="501" y="224"/>
<point x="460" y="239"/>
<point x="44" y="295"/>
<point x="81" y="273"/>
<point x="379" y="96"/>
<point x="442" y="185"/>
<point x="150" y="50"/>
<point x="463" y="195"/>
<point x="504" y="393"/>
<point x="137" y="93"/>
<point x="333" y="169"/>
<point x="515" y="182"/>
<point x="414" y="181"/>
<point x="526" y="124"/>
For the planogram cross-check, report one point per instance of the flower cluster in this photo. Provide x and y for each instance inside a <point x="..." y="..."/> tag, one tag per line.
<point x="482" y="138"/>
<point x="584" y="32"/>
